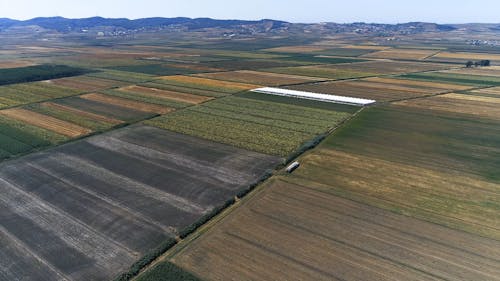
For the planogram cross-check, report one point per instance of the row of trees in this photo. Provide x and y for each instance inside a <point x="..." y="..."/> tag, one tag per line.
<point x="478" y="63"/>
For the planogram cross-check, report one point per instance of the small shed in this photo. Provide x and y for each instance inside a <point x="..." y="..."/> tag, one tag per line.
<point x="292" y="167"/>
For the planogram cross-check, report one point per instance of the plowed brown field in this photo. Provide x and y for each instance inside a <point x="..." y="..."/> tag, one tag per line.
<point x="171" y="95"/>
<point x="147" y="107"/>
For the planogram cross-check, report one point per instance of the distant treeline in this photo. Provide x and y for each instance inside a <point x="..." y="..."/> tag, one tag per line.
<point x="478" y="63"/>
<point x="38" y="73"/>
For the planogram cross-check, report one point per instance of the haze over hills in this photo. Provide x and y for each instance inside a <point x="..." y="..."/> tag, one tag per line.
<point x="99" y="24"/>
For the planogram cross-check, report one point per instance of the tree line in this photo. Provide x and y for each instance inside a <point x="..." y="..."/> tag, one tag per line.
<point x="470" y="63"/>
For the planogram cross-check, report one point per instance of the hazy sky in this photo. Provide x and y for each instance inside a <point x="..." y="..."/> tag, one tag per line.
<point x="386" y="11"/>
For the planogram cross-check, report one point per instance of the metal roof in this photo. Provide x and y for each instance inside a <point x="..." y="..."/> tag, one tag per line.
<point x="313" y="96"/>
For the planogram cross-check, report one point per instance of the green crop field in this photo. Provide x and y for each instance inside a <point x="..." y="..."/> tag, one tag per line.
<point x="319" y="71"/>
<point x="123" y="76"/>
<point x="455" y="78"/>
<point x="17" y="137"/>
<point x="145" y="98"/>
<point x="273" y="128"/>
<point x="162" y="85"/>
<point x="139" y="150"/>
<point x="78" y="119"/>
<point x="19" y="94"/>
<point x="38" y="73"/>
<point x="433" y="166"/>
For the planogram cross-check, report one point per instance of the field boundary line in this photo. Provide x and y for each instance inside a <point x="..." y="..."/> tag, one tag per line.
<point x="184" y="243"/>
<point x="20" y="245"/>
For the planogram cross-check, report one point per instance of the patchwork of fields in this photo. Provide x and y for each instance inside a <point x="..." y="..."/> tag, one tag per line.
<point x="380" y="89"/>
<point x="81" y="200"/>
<point x="134" y="146"/>
<point x="295" y="232"/>
<point x="264" y="126"/>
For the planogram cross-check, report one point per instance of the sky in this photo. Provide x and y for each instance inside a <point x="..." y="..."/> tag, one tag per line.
<point x="305" y="11"/>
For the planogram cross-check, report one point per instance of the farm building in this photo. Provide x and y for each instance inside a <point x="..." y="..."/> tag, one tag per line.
<point x="314" y="96"/>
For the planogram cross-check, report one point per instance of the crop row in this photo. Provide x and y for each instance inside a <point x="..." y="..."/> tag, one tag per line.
<point x="37" y="73"/>
<point x="206" y="84"/>
<point x="298" y="127"/>
<point x="17" y="137"/>
<point x="95" y="125"/>
<point x="456" y="78"/>
<point x="159" y="84"/>
<point x="323" y="123"/>
<point x="239" y="133"/>
<point x="145" y="98"/>
<point x="130" y="77"/>
<point x="289" y="110"/>
<point x="19" y="94"/>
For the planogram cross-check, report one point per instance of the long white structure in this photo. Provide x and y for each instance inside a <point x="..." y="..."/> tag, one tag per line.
<point x="313" y="96"/>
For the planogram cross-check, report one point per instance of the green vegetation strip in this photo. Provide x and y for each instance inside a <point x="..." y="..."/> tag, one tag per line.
<point x="318" y="71"/>
<point x="19" y="94"/>
<point x="123" y="76"/>
<point x="272" y="128"/>
<point x="19" y="138"/>
<point x="83" y="121"/>
<point x="200" y="86"/>
<point x="158" y="84"/>
<point x="474" y="80"/>
<point x="321" y="59"/>
<point x="38" y="73"/>
<point x="146" y="98"/>
<point x="154" y="69"/>
<point x="167" y="271"/>
<point x="299" y="102"/>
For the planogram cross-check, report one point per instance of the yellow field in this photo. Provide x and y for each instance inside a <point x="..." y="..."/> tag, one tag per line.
<point x="489" y="91"/>
<point x="136" y="105"/>
<point x="302" y="232"/>
<point x="15" y="63"/>
<point x="416" y="83"/>
<point x="46" y="122"/>
<point x="409" y="54"/>
<point x="477" y="106"/>
<point x="297" y="49"/>
<point x="366" y="47"/>
<point x="211" y="84"/>
<point x="481" y="71"/>
<point x="260" y="78"/>
<point x="467" y="56"/>
<point x="170" y="95"/>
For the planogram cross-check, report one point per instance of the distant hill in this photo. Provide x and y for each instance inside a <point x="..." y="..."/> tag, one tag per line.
<point x="230" y="28"/>
<point x="61" y="24"/>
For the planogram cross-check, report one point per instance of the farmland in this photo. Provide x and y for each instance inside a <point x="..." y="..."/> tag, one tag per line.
<point x="467" y="167"/>
<point x="252" y="124"/>
<point x="126" y="103"/>
<point x="379" y="89"/>
<point x="46" y="122"/>
<point x="169" y="95"/>
<point x="462" y="57"/>
<point x="105" y="109"/>
<point x="339" y="240"/>
<point x="385" y="197"/>
<point x="25" y="93"/>
<point x="18" y="137"/>
<point x="259" y="78"/>
<point x="402" y="54"/>
<point x="141" y="197"/>
<point x="391" y="67"/>
<point x="134" y="152"/>
<point x="37" y="73"/>
<point x="86" y="83"/>
<point x="463" y="78"/>
<point x="320" y="72"/>
<point x="207" y="84"/>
